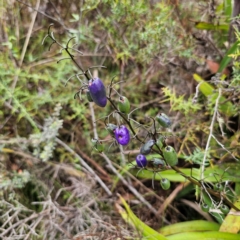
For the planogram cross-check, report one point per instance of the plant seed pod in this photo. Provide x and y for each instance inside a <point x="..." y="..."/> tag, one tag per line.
<point x="224" y="209"/>
<point x="89" y="98"/>
<point x="163" y="120"/>
<point x="123" y="105"/>
<point x="159" y="163"/>
<point x="141" y="161"/>
<point x="170" y="155"/>
<point x="165" y="183"/>
<point x="205" y="207"/>
<point x="146" y="148"/>
<point x="218" y="187"/>
<point x="122" y="135"/>
<point x="97" y="91"/>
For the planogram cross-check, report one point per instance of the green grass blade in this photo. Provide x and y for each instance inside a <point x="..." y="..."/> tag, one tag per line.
<point x="225" y="61"/>
<point x="227" y="7"/>
<point x="205" y="88"/>
<point x="210" y="26"/>
<point x="232" y="174"/>
<point x="133" y="220"/>
<point x="213" y="235"/>
<point x="190" y="226"/>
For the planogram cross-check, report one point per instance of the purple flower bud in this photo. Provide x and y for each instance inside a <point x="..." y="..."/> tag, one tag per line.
<point x="141" y="160"/>
<point x="97" y="91"/>
<point x="122" y="135"/>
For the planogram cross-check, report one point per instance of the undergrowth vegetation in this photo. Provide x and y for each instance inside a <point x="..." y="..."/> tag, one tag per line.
<point x="159" y="159"/>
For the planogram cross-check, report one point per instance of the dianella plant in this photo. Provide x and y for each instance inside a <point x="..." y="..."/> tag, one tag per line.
<point x="157" y="159"/>
<point x="123" y="123"/>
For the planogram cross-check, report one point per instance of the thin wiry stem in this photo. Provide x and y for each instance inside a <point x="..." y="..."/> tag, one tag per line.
<point x="71" y="56"/>
<point x="85" y="165"/>
<point x="44" y="14"/>
<point x="131" y="188"/>
<point x="159" y="151"/>
<point x="223" y="147"/>
<point x="95" y="134"/>
<point x="125" y="119"/>
<point x="210" y="133"/>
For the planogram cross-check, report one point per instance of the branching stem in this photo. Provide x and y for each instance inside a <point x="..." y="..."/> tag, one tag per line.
<point x="159" y="151"/>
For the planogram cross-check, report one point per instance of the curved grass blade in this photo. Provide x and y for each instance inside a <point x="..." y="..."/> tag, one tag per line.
<point x="133" y="220"/>
<point x="213" y="235"/>
<point x="225" y="61"/>
<point x="210" y="26"/>
<point x="190" y="226"/>
<point x="211" y="174"/>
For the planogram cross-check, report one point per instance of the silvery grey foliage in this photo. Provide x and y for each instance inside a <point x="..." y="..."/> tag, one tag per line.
<point x="44" y="142"/>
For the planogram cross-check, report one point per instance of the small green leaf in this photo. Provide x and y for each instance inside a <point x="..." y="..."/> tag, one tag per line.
<point x="225" y="106"/>
<point x="210" y="26"/>
<point x="225" y="61"/>
<point x="204" y="87"/>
